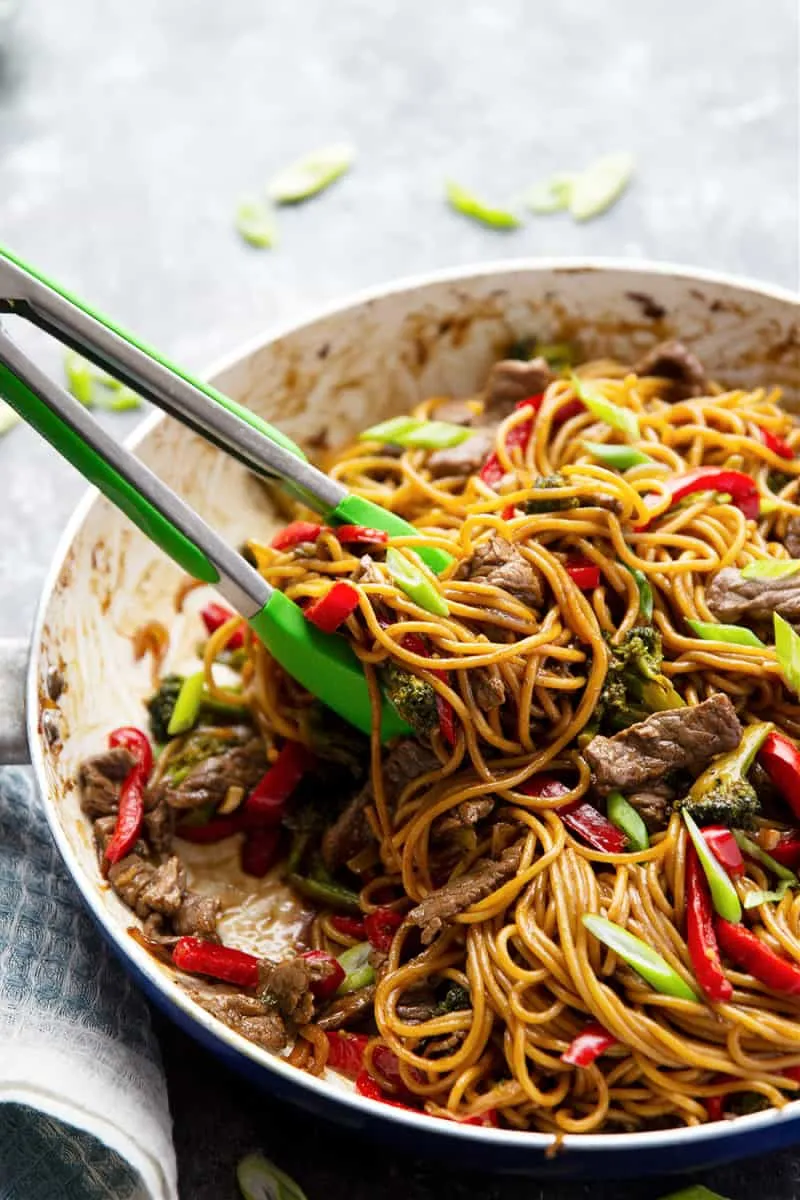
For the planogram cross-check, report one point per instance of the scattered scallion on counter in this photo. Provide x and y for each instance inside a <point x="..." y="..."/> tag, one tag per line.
<point x="260" y="1179"/>
<point x="733" y="635"/>
<point x="95" y="388"/>
<point x="771" y="568"/>
<point x="256" y="224"/>
<point x="8" y="417"/>
<point x="311" y="174"/>
<point x="621" y="419"/>
<point x="600" y="185"/>
<point x="551" y="195"/>
<point x="469" y="205"/>
<point x="787" y="648"/>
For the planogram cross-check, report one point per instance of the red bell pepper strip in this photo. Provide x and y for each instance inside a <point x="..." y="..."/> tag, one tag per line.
<point x="714" y="1107"/>
<point x="381" y="926"/>
<point x="295" y="533"/>
<point x="700" y="937"/>
<point x="488" y="1119"/>
<point x="346" y="1052"/>
<point x="787" y="851"/>
<point x="591" y="1042"/>
<point x="754" y="956"/>
<point x="260" y="851"/>
<point x="367" y="1086"/>
<point x="740" y="487"/>
<point x="792" y="1073"/>
<point x="219" y="962"/>
<point x="776" y="444"/>
<point x="722" y="845"/>
<point x="360" y="535"/>
<point x="518" y="437"/>
<point x="447" y="716"/>
<point x="329" y="973"/>
<point x="579" y="816"/>
<point x="333" y="609"/>
<point x="130" y="814"/>
<point x="780" y="758"/>
<point x="349" y="926"/>
<point x="215" y="615"/>
<point x="583" y="573"/>
<point x="266" y="803"/>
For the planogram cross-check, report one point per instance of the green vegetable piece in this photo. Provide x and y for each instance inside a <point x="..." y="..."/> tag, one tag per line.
<point x="456" y="999"/>
<point x="414" y="698"/>
<point x="723" y="794"/>
<point x="389" y="431"/>
<point x="771" y="568"/>
<point x="255" y="222"/>
<point x="635" y="686"/>
<point x="558" y="503"/>
<point x="696" y="1191"/>
<point x="91" y="386"/>
<point x="558" y="355"/>
<point x="468" y="204"/>
<point x="625" y="817"/>
<point x="8" y="417"/>
<point x="187" y="706"/>
<point x="260" y="1179"/>
<point x="551" y="195"/>
<point x="622" y="419"/>
<point x="334" y="895"/>
<point x="654" y="969"/>
<point x="723" y="893"/>
<point x="600" y="185"/>
<point x="80" y="378"/>
<point x="787" y="648"/>
<point x="412" y="580"/>
<point x="734" y="635"/>
<point x="311" y="174"/>
<point x="621" y="458"/>
<point x="436" y="435"/>
<point x="358" y="970"/>
<point x="753" y="850"/>
<point x="645" y="592"/>
<point x="754" y="899"/>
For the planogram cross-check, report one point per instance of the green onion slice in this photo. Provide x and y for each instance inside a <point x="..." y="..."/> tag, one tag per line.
<point x="600" y="185"/>
<point x="754" y="899"/>
<point x="311" y="174"/>
<point x="255" y="222"/>
<point x="724" y="896"/>
<point x="735" y="635"/>
<point x="645" y="592"/>
<point x="654" y="969"/>
<point x="187" y="706"/>
<point x="771" y="568"/>
<point x="260" y="1179"/>
<point x="413" y="581"/>
<point x="80" y="377"/>
<point x="8" y="417"/>
<point x="787" y="648"/>
<point x="467" y="203"/>
<point x="618" y="418"/>
<point x="696" y="1191"/>
<point x="753" y="850"/>
<point x="417" y="433"/>
<point x="551" y="195"/>
<point x="358" y="970"/>
<point x="621" y="458"/>
<point x="625" y="817"/>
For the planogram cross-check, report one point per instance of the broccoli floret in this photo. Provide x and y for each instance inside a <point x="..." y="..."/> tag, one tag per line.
<point x="161" y="704"/>
<point x="723" y="794"/>
<point x="558" y="503"/>
<point x="634" y="687"/>
<point x="455" y="999"/>
<point x="196" y="748"/>
<point x="414" y="699"/>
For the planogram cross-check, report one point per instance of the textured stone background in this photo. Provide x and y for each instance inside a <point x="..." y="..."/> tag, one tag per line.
<point x="129" y="130"/>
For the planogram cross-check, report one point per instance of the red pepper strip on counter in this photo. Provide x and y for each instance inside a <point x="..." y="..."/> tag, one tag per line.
<point x="447" y="717"/>
<point x="381" y="926"/>
<point x="583" y="573"/>
<point x="776" y="444"/>
<point x="751" y="954"/>
<point x="260" y="851"/>
<point x="333" y="975"/>
<point x="787" y="851"/>
<point x="360" y="535"/>
<point x="333" y="609"/>
<point x="517" y="438"/>
<point x="131" y="797"/>
<point x="740" y="487"/>
<point x="266" y="803"/>
<point x="346" y="1052"/>
<point x="590" y="1043"/>
<point x="780" y="758"/>
<point x="295" y="533"/>
<point x="722" y="845"/>
<point x="580" y="816"/>
<point x="700" y="936"/>
<point x="349" y="926"/>
<point x="215" y="615"/>
<point x="220" y="962"/>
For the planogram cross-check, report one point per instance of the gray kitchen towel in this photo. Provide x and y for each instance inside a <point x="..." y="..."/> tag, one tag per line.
<point x="83" y="1102"/>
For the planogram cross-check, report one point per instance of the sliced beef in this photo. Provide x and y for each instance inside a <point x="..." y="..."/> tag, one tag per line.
<point x="730" y="597"/>
<point x="455" y="412"/>
<point x="792" y="539"/>
<point x="463" y="816"/>
<point x="100" y="779"/>
<point x="247" y="1015"/>
<point x="488" y="687"/>
<point x="653" y="805"/>
<point x="465" y="459"/>
<point x="510" y="381"/>
<point x="672" y="361"/>
<point x="208" y="782"/>
<point x="197" y="916"/>
<point x="159" y="823"/>
<point x="350" y="833"/>
<point x="499" y="563"/>
<point x="441" y="906"/>
<point x="288" y="985"/>
<point x="344" y="1011"/>
<point x="679" y="739"/>
<point x="147" y="889"/>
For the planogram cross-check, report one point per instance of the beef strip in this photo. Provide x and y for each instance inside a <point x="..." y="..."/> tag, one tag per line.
<point x="499" y="563"/>
<point x="464" y="459"/>
<point x="510" y="381"/>
<point x="653" y="805"/>
<point x="159" y="822"/>
<point x="208" y="782"/>
<point x="100" y="779"/>
<point x="344" y="1011"/>
<point x="672" y="360"/>
<point x="197" y="916"/>
<point x="350" y="833"/>
<point x="792" y="538"/>
<point x="145" y="888"/>
<point x="681" y="738"/>
<point x="455" y="412"/>
<point x="441" y="906"/>
<point x="288" y="986"/>
<point x="463" y="816"/>
<point x="488" y="687"/>
<point x="730" y="597"/>
<point x="247" y="1015"/>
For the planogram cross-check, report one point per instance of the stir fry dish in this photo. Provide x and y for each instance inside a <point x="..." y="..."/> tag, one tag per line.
<point x="566" y="899"/>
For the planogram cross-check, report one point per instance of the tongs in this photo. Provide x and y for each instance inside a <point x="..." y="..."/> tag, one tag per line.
<point x="325" y="664"/>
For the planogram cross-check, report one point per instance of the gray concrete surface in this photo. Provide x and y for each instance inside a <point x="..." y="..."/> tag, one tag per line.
<point x="129" y="131"/>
